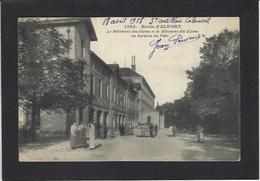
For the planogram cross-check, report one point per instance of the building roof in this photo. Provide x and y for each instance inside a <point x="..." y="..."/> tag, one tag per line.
<point x="113" y="67"/>
<point x="128" y="72"/>
<point x="128" y="81"/>
<point x="72" y="20"/>
<point x="110" y="67"/>
<point x="125" y="72"/>
<point x="94" y="57"/>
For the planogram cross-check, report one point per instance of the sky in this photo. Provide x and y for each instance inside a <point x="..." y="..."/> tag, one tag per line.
<point x="165" y="70"/>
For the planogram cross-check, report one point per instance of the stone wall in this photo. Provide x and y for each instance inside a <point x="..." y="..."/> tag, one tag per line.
<point x="54" y="122"/>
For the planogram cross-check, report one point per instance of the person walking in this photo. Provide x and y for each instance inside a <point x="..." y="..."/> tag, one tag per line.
<point x="151" y="130"/>
<point x="170" y="131"/>
<point x="87" y="131"/>
<point x="174" y="130"/>
<point x="105" y="131"/>
<point x="200" y="134"/>
<point x="92" y="136"/>
<point x="82" y="135"/>
<point x="74" y="135"/>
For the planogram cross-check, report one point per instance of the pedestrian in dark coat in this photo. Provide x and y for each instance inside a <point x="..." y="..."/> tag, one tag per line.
<point x="82" y="135"/>
<point x="151" y="130"/>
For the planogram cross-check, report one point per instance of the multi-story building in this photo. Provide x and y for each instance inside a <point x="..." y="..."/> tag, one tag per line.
<point x="114" y="98"/>
<point x="145" y="98"/>
<point x="120" y="98"/>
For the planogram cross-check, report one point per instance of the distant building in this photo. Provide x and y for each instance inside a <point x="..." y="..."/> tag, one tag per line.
<point x="162" y="119"/>
<point x="146" y="110"/>
<point x="115" y="100"/>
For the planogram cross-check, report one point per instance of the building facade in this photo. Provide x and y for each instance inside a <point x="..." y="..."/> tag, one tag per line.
<point x="118" y="99"/>
<point x="145" y="97"/>
<point x="114" y="101"/>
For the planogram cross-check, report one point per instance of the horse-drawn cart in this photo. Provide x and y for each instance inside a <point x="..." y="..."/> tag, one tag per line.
<point x="146" y="130"/>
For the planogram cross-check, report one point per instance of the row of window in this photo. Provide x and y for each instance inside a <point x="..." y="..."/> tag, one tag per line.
<point x="100" y="88"/>
<point x="116" y="97"/>
<point x="147" y="98"/>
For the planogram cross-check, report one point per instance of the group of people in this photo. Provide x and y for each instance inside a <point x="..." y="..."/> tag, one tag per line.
<point x="79" y="134"/>
<point x="146" y="130"/>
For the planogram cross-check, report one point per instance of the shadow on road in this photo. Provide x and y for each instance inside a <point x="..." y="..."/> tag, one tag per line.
<point x="97" y="146"/>
<point x="44" y="143"/>
<point x="40" y="144"/>
<point x="222" y="148"/>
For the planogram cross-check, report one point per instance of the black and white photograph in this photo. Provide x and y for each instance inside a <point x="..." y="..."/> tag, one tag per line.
<point x="128" y="89"/>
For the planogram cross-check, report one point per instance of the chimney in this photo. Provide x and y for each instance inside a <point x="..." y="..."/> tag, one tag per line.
<point x="133" y="67"/>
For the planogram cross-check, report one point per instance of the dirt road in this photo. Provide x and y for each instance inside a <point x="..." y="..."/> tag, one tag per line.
<point x="183" y="147"/>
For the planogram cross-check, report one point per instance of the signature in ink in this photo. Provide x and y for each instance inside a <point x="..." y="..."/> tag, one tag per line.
<point x="174" y="40"/>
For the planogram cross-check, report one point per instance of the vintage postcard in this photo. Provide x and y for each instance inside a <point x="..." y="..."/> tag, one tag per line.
<point x="129" y="89"/>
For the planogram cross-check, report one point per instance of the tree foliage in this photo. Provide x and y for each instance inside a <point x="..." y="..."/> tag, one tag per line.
<point x="47" y="78"/>
<point x="213" y="93"/>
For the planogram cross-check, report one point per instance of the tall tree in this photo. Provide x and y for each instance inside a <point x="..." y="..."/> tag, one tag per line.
<point x="215" y="85"/>
<point x="47" y="79"/>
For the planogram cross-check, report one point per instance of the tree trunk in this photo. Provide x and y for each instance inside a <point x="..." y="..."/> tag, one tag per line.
<point x="80" y="114"/>
<point x="33" y="121"/>
<point x="70" y="118"/>
<point x="68" y="123"/>
<point x="223" y="125"/>
<point x="67" y="131"/>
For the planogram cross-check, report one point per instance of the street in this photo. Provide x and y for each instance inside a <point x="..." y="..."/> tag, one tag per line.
<point x="182" y="147"/>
